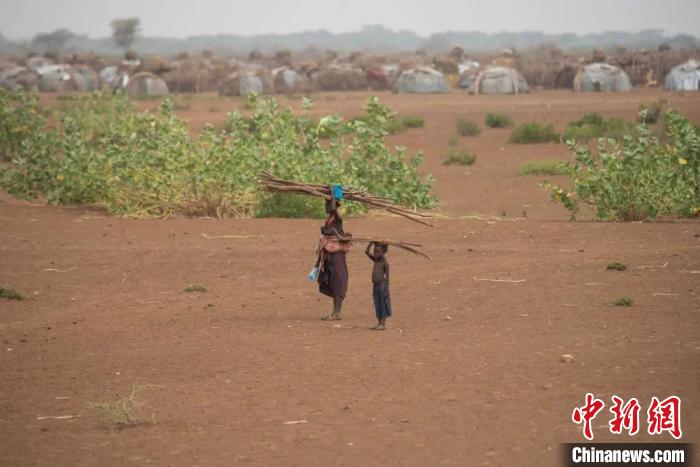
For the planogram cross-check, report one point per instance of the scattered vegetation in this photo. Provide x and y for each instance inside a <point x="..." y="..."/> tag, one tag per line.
<point x="532" y="132"/>
<point x="651" y="113"/>
<point x="457" y="155"/>
<point x="616" y="267"/>
<point x="545" y="167"/>
<point x="10" y="294"/>
<point x="125" y="412"/>
<point x="639" y="179"/>
<point x="623" y="301"/>
<point x="195" y="288"/>
<point x="412" y="121"/>
<point x="103" y="150"/>
<point x="594" y="125"/>
<point x="498" y="120"/>
<point x="467" y="127"/>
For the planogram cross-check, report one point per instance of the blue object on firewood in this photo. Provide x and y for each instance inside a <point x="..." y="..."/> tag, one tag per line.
<point x="338" y="191"/>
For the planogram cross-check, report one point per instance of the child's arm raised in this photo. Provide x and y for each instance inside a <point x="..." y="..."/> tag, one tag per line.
<point x="369" y="255"/>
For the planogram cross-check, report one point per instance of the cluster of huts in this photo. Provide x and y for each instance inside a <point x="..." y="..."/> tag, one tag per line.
<point x="157" y="76"/>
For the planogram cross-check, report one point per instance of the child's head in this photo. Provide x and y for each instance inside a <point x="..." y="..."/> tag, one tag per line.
<point x="380" y="249"/>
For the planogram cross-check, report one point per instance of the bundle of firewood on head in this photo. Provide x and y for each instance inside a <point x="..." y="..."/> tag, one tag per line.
<point x="269" y="182"/>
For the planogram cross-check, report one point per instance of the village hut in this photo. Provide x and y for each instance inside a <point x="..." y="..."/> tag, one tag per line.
<point x="601" y="77"/>
<point x="244" y="82"/>
<point x="85" y="78"/>
<point x="499" y="80"/>
<point x="468" y="71"/>
<point x="421" y="80"/>
<point x="57" y="78"/>
<point x="146" y="84"/>
<point x="288" y="80"/>
<point x="339" y="77"/>
<point x="13" y="76"/>
<point x="112" y="77"/>
<point x="684" y="77"/>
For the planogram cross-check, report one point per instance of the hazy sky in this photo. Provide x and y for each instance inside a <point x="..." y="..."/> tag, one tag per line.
<point x="180" y="18"/>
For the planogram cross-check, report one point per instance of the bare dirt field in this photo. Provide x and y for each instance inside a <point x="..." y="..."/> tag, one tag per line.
<point x="468" y="372"/>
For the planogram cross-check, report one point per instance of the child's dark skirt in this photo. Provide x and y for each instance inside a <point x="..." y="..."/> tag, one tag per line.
<point x="382" y="302"/>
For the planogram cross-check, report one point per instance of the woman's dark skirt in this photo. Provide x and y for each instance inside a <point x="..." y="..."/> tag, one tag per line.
<point x="333" y="277"/>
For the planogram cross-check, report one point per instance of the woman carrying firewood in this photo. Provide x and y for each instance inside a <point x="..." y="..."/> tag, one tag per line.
<point x="333" y="273"/>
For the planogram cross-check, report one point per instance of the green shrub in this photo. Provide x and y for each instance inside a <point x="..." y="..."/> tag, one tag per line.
<point x="467" y="127"/>
<point x="457" y="156"/>
<point x="616" y="267"/>
<point x="545" y="167"/>
<point x="641" y="179"/>
<point x="529" y="133"/>
<point x="195" y="288"/>
<point x="498" y="120"/>
<point x="146" y="164"/>
<point x="10" y="294"/>
<point x="412" y="121"/>
<point x="594" y="125"/>
<point x="651" y="113"/>
<point x="623" y="301"/>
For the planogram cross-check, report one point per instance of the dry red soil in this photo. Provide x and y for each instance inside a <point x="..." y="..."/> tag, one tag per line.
<point x="467" y="373"/>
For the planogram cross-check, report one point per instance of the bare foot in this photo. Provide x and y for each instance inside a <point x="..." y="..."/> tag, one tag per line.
<point x="332" y="317"/>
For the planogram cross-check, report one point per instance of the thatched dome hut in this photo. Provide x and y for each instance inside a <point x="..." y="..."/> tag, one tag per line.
<point x="684" y="77"/>
<point x="13" y="76"/>
<point x="85" y="78"/>
<point x="56" y="78"/>
<point x="468" y="71"/>
<point x="287" y="80"/>
<point x="339" y="77"/>
<point x="499" y="80"/>
<point x="601" y="77"/>
<point x="146" y="84"/>
<point x="242" y="83"/>
<point x="421" y="80"/>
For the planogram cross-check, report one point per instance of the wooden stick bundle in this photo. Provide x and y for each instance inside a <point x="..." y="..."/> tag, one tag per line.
<point x="412" y="247"/>
<point x="269" y="182"/>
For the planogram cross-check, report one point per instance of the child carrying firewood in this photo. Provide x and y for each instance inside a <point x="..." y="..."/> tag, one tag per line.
<point x="380" y="283"/>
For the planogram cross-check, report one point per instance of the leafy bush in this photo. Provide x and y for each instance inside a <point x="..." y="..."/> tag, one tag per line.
<point x="144" y="164"/>
<point x="457" y="156"/>
<point x="529" y="133"/>
<point x="545" y="167"/>
<point x="412" y="121"/>
<point x="498" y="120"/>
<point x="594" y="125"/>
<point x="641" y="179"/>
<point x="623" y="301"/>
<point x="467" y="127"/>
<point x="616" y="267"/>
<point x="10" y="294"/>
<point x="651" y="113"/>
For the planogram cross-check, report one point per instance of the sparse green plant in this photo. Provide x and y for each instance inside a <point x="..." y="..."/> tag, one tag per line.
<point x="651" y="113"/>
<point x="126" y="411"/>
<point x="532" y="132"/>
<point x="623" y="301"/>
<point x="594" y="125"/>
<point x="498" y="120"/>
<point x="616" y="267"/>
<point x="103" y="150"/>
<point x="412" y="121"/>
<point x="457" y="155"/>
<point x="467" y="127"/>
<point x="10" y="294"/>
<point x="195" y="288"/>
<point x="640" y="179"/>
<point x="545" y="167"/>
